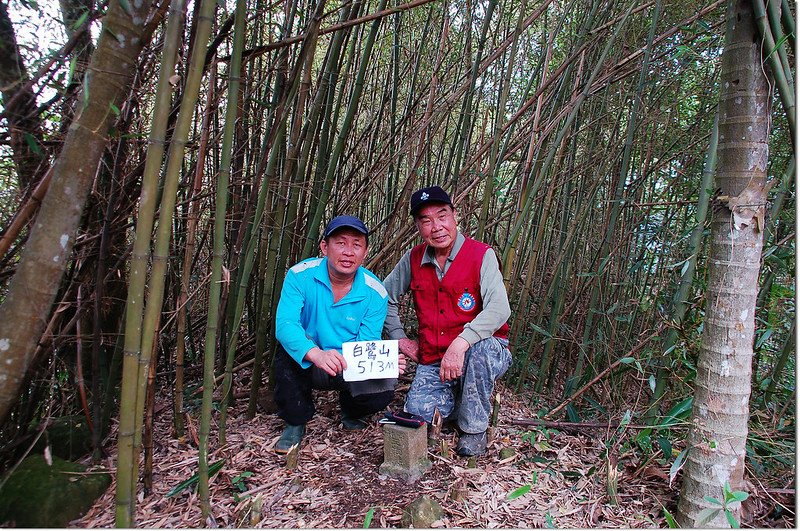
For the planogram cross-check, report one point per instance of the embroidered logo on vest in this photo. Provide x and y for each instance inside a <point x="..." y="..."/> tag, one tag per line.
<point x="466" y="302"/>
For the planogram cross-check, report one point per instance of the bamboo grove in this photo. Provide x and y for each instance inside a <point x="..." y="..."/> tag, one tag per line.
<point x="178" y="165"/>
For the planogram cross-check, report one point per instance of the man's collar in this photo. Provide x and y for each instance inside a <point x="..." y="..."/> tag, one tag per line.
<point x="428" y="257"/>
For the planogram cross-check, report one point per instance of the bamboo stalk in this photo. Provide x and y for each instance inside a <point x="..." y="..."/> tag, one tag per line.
<point x="286" y="216"/>
<point x="127" y="467"/>
<point x="221" y="205"/>
<point x="344" y="132"/>
<point x="189" y="249"/>
<point x="786" y="351"/>
<point x="779" y="70"/>
<point x="252" y="240"/>
<point x="679" y="300"/>
<point x="160" y="255"/>
<point x="79" y="380"/>
<point x="465" y="123"/>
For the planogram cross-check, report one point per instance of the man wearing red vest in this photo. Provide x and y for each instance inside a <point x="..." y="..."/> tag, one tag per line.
<point x="462" y="308"/>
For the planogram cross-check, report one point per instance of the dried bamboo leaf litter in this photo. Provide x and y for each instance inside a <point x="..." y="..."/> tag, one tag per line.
<point x="337" y="482"/>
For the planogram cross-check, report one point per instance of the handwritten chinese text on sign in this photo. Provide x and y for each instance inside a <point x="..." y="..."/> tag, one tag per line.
<point x="369" y="360"/>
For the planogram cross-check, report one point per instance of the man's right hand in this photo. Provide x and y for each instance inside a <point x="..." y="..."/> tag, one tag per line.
<point x="410" y="348"/>
<point x="329" y="361"/>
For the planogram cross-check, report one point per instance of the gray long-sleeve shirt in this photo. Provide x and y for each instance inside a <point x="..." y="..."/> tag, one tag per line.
<point x="496" y="309"/>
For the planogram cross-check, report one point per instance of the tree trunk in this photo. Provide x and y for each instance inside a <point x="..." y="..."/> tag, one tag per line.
<point x="34" y="286"/>
<point x="722" y="388"/>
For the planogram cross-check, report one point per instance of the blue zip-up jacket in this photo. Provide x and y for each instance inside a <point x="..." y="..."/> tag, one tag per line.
<point x="307" y="317"/>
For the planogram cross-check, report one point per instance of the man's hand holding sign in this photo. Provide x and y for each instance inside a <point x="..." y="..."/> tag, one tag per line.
<point x="328" y="360"/>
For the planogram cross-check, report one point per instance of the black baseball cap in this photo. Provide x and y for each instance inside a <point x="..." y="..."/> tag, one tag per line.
<point x="340" y="222"/>
<point x="432" y="194"/>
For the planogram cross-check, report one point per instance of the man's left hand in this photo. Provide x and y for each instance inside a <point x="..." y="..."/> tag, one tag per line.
<point x="453" y="361"/>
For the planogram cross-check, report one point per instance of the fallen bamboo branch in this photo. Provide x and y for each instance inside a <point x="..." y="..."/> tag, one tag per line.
<point x="219" y="378"/>
<point x="604" y="373"/>
<point x="25" y="214"/>
<point x="577" y="425"/>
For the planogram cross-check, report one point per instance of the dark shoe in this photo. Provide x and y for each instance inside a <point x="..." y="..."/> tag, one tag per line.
<point x="470" y="444"/>
<point x="354" y="423"/>
<point x="291" y="436"/>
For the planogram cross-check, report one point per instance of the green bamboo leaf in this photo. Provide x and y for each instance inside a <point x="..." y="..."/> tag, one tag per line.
<point x="777" y="46"/>
<point x="126" y="7"/>
<point x="32" y="144"/>
<point x="627" y="361"/>
<point x="114" y="109"/>
<point x="81" y="19"/>
<point x="685" y="267"/>
<point x="764" y="337"/>
<point x="212" y="469"/>
<point x="72" y="64"/>
<point x="626" y="419"/>
<point x="368" y="517"/>
<point x="665" y="445"/>
<point x="671" y="523"/>
<point x="523" y="490"/>
<point x="769" y="252"/>
<point x="541" y="330"/>
<point x="86" y="89"/>
<point x="677" y="465"/>
<point x="679" y="411"/>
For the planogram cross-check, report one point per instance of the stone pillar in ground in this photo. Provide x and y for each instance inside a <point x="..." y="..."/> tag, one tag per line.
<point x="405" y="452"/>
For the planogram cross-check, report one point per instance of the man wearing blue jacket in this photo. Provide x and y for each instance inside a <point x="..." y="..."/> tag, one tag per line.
<point x="326" y="302"/>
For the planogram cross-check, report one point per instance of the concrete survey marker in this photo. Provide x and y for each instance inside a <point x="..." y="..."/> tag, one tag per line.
<point x="405" y="452"/>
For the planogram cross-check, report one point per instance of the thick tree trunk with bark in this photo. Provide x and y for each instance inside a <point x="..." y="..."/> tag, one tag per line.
<point x="722" y="389"/>
<point x="23" y="315"/>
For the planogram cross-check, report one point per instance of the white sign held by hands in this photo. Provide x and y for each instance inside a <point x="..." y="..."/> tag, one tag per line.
<point x="370" y="360"/>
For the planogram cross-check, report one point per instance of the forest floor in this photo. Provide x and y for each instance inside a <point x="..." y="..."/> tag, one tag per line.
<point x="337" y="483"/>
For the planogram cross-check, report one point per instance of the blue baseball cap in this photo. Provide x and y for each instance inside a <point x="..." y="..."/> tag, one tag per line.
<point x="340" y="222"/>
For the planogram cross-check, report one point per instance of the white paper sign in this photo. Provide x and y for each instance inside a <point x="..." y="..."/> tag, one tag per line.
<point x="370" y="360"/>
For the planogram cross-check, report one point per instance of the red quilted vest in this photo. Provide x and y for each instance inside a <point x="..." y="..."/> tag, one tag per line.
<point x="444" y="307"/>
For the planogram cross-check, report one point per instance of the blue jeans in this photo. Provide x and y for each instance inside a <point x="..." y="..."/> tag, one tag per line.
<point x="467" y="399"/>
